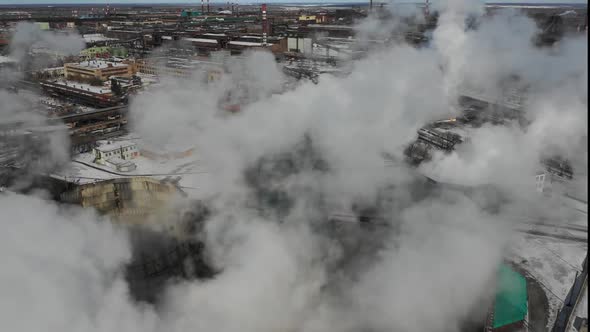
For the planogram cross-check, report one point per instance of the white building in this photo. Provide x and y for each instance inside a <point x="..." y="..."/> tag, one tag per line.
<point x="116" y="155"/>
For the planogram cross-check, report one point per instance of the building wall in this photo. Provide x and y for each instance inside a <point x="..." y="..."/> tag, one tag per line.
<point x="128" y="201"/>
<point x="155" y="69"/>
<point x="300" y="45"/>
<point x="74" y="70"/>
<point x="125" y="152"/>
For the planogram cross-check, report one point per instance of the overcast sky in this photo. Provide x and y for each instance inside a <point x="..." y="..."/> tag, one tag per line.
<point x="243" y="2"/>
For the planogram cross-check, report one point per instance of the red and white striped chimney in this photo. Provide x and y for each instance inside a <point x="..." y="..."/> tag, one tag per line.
<point x="264" y="25"/>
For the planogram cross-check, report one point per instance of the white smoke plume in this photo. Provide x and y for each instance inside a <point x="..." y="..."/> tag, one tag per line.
<point x="41" y="148"/>
<point x="60" y="270"/>
<point x="555" y="104"/>
<point x="424" y="268"/>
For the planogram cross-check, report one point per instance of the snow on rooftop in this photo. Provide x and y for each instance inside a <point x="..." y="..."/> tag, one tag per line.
<point x="188" y="170"/>
<point x="201" y="40"/>
<point x="98" y="64"/>
<point x="106" y="146"/>
<point x="243" y="43"/>
<point x="6" y="59"/>
<point x="86" y="87"/>
<point x="96" y="37"/>
<point x="119" y="161"/>
<point x="215" y="34"/>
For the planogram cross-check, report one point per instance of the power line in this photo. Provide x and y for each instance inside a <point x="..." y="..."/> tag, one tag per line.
<point x="558" y="256"/>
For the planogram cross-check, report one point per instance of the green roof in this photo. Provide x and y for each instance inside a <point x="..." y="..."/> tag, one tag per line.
<point x="510" y="305"/>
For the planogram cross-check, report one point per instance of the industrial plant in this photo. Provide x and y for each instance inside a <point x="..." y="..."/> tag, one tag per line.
<point x="344" y="158"/>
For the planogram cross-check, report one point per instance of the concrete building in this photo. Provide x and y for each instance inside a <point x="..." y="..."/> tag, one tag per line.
<point x="183" y="68"/>
<point x="98" y="69"/>
<point x="307" y="19"/>
<point x="202" y="43"/>
<point x="128" y="201"/>
<point x="299" y="45"/>
<point x="239" y="46"/>
<point x="116" y="155"/>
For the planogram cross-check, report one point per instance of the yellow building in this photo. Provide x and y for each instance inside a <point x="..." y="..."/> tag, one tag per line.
<point x="99" y="69"/>
<point x="307" y="18"/>
<point x="130" y="201"/>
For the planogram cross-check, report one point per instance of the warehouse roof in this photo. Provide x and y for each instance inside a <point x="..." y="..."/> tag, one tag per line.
<point x="105" y="146"/>
<point x="201" y="40"/>
<point x="97" y="64"/>
<point x="243" y="43"/>
<point x="511" y="304"/>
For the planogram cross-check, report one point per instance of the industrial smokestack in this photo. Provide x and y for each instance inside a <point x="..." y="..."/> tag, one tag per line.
<point x="264" y="25"/>
<point x="370" y="6"/>
<point x="207" y="6"/>
<point x="202" y="6"/>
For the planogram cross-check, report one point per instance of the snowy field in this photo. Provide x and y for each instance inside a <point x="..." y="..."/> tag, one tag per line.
<point x="548" y="256"/>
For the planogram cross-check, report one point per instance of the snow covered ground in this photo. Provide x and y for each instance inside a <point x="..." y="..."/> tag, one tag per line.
<point x="192" y="176"/>
<point x="552" y="254"/>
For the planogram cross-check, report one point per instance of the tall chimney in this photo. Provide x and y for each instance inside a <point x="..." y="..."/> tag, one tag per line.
<point x="370" y="6"/>
<point x="207" y="6"/>
<point x="202" y="6"/>
<point x="264" y="25"/>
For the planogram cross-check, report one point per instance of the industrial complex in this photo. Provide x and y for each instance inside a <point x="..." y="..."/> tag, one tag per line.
<point x="70" y="128"/>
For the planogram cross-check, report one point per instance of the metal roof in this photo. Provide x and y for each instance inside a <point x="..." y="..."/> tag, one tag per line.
<point x="511" y="304"/>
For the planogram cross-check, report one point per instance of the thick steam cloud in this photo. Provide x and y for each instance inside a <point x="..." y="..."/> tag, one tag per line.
<point x="423" y="267"/>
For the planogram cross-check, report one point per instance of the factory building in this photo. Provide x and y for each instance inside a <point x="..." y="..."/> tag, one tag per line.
<point x="127" y="200"/>
<point x="202" y="44"/>
<point x="237" y="47"/>
<point x="299" y="45"/>
<point x="179" y="67"/>
<point x="95" y="96"/>
<point x="97" y="69"/>
<point x="116" y="155"/>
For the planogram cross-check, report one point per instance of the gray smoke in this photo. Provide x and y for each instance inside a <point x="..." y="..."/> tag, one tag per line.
<point x="28" y="35"/>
